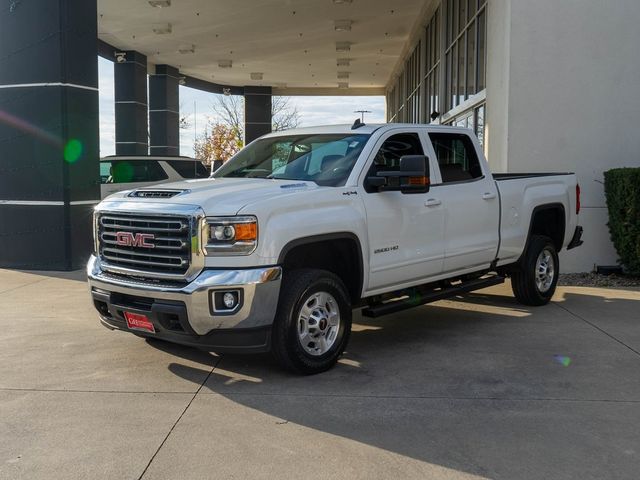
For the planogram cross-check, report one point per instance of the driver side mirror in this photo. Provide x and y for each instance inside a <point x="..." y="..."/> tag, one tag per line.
<point x="413" y="176"/>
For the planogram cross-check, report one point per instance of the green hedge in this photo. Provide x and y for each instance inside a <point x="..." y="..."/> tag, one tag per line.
<point x="622" y="189"/>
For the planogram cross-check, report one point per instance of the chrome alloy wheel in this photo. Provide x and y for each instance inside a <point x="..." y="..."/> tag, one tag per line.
<point x="545" y="271"/>
<point x="318" y="323"/>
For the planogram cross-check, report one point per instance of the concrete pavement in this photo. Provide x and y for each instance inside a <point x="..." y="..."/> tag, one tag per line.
<point x="478" y="387"/>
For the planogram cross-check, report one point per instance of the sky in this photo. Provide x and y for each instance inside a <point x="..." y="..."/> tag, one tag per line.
<point x="197" y="106"/>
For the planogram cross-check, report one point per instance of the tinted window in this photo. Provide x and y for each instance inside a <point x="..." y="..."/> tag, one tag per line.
<point x="456" y="156"/>
<point x="131" y="171"/>
<point x="394" y="148"/>
<point x="189" y="169"/>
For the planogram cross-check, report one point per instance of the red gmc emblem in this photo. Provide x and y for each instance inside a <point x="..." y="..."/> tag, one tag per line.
<point x="129" y="239"/>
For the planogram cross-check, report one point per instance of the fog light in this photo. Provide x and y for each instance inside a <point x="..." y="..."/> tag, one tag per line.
<point x="229" y="300"/>
<point x="226" y="302"/>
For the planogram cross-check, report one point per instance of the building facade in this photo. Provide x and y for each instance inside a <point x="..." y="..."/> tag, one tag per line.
<point x="546" y="85"/>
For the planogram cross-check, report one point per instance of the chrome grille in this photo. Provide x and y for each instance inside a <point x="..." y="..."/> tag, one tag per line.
<point x="149" y="244"/>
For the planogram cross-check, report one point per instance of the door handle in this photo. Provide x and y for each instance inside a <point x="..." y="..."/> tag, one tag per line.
<point x="488" y="196"/>
<point x="432" y="202"/>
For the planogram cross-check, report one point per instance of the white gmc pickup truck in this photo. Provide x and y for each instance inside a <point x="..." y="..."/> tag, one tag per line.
<point x="276" y="249"/>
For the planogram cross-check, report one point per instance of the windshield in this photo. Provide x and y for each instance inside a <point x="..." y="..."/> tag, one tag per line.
<point x="324" y="159"/>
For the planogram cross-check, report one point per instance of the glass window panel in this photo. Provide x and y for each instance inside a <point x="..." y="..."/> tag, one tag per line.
<point x="482" y="53"/>
<point x="462" y="20"/>
<point x="454" y="15"/>
<point x="454" y="78"/>
<point x="471" y="60"/>
<point x="436" y="92"/>
<point x="480" y="116"/>
<point x="436" y="36"/>
<point x="449" y="79"/>
<point x="461" y="70"/>
<point x="473" y="8"/>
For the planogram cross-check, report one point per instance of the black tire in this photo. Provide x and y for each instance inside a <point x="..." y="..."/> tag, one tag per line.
<point x="298" y="287"/>
<point x="524" y="280"/>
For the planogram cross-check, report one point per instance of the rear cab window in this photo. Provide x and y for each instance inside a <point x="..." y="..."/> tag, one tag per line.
<point x="457" y="157"/>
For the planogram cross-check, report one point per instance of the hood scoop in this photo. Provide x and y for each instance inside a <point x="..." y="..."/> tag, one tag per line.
<point x="156" y="193"/>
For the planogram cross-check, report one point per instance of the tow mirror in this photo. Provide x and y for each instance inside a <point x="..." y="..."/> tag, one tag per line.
<point x="413" y="176"/>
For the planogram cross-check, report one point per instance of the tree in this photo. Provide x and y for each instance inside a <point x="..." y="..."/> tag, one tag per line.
<point x="224" y="135"/>
<point x="219" y="143"/>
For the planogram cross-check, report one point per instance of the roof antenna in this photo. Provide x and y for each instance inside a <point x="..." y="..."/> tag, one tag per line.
<point x="357" y="124"/>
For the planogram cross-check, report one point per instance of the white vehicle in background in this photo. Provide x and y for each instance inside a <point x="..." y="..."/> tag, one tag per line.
<point x="125" y="172"/>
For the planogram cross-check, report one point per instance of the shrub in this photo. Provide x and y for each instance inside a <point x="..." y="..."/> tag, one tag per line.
<point x="622" y="189"/>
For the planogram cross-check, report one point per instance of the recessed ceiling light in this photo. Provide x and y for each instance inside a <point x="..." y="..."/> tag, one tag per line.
<point x="162" y="28"/>
<point x="342" y="2"/>
<point x="187" y="49"/>
<point x="343" y="46"/>
<point x="343" y="75"/>
<point x="225" y="63"/>
<point x="257" y="75"/>
<point x="342" y="25"/>
<point x="343" y="85"/>
<point x="160" y="3"/>
<point x="343" y="62"/>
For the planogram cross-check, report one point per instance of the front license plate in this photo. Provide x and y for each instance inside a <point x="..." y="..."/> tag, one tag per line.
<point x="136" y="321"/>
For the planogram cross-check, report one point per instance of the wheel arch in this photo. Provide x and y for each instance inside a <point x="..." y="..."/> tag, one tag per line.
<point x="338" y="252"/>
<point x="549" y="220"/>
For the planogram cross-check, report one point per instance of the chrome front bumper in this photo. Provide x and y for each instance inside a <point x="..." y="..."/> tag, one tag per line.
<point x="259" y="287"/>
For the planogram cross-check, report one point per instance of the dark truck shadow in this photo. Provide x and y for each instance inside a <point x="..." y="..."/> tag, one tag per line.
<point x="404" y="377"/>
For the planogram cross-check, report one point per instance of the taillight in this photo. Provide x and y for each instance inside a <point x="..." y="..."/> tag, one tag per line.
<point x="577" y="199"/>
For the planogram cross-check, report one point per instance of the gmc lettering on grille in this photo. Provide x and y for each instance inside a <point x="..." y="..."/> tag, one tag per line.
<point x="129" y="239"/>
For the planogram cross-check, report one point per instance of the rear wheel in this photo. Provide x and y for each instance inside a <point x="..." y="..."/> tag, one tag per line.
<point x="534" y="283"/>
<point x="313" y="321"/>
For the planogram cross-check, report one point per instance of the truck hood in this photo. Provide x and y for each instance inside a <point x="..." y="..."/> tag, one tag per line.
<point x="219" y="196"/>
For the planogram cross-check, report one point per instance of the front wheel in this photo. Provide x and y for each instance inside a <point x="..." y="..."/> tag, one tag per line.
<point x="534" y="283"/>
<point x="313" y="321"/>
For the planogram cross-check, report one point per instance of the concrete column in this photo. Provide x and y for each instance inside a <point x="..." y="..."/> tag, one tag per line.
<point x="164" y="115"/>
<point x="132" y="135"/>
<point x="49" y="169"/>
<point x="257" y="112"/>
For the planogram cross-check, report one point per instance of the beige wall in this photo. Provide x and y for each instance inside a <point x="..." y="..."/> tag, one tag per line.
<point x="563" y="95"/>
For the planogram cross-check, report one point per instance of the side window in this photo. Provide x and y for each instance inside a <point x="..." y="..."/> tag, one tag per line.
<point x="124" y="171"/>
<point x="189" y="169"/>
<point x="456" y="156"/>
<point x="394" y="148"/>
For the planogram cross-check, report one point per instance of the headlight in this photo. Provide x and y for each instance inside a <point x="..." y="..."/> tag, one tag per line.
<point x="230" y="235"/>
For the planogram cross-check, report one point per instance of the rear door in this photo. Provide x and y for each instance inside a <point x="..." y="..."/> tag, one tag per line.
<point x="470" y="201"/>
<point x="406" y="231"/>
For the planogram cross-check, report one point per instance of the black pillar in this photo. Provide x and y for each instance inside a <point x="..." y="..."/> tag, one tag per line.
<point x="49" y="169"/>
<point x="132" y="136"/>
<point x="257" y="112"/>
<point x="164" y="111"/>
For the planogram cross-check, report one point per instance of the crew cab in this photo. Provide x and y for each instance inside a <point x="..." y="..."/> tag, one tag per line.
<point x="276" y="249"/>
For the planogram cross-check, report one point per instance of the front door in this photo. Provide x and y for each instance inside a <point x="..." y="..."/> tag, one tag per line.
<point x="406" y="231"/>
